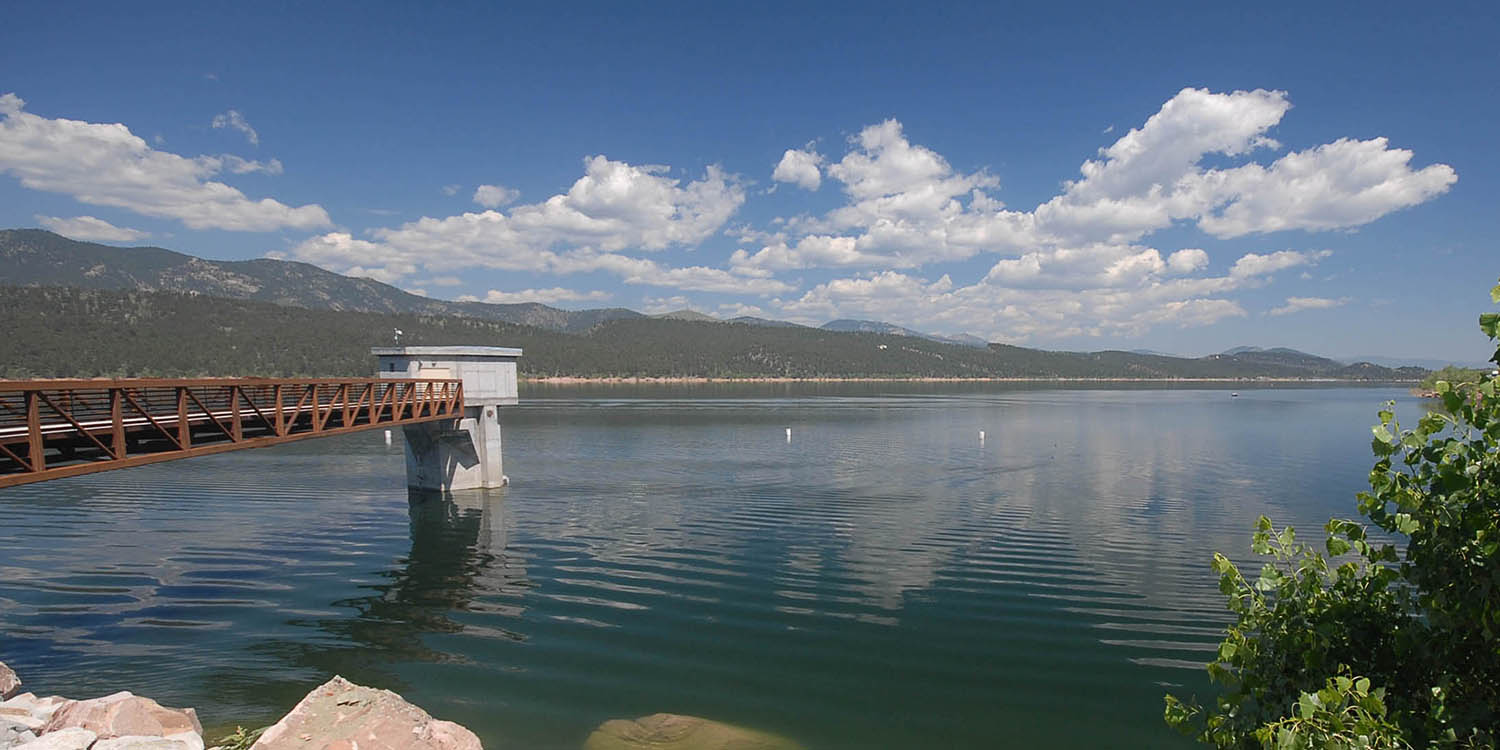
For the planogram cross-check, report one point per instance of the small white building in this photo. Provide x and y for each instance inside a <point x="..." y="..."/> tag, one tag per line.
<point x="456" y="454"/>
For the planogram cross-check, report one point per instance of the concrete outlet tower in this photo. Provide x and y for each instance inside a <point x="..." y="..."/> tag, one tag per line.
<point x="456" y="454"/>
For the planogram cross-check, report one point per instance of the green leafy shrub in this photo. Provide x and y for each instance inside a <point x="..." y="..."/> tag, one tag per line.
<point x="1365" y="644"/>
<point x="1453" y="375"/>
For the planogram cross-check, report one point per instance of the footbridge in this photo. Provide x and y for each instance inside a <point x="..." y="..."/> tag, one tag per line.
<point x="445" y="399"/>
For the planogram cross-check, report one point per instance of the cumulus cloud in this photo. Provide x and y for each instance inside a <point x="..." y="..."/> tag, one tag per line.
<point x="236" y="121"/>
<point x="1341" y="184"/>
<point x="91" y="229"/>
<point x="659" y="305"/>
<point x="494" y="196"/>
<point x="107" y="165"/>
<point x="1187" y="260"/>
<point x="1018" y="314"/>
<point x="1079" y="263"/>
<point x="908" y="207"/>
<point x="1152" y="176"/>
<point x="800" y="167"/>
<point x="1098" y="290"/>
<point x="1252" y="264"/>
<point x="1298" y="304"/>
<point x="545" y="296"/>
<point x="740" y="309"/>
<point x="613" y="207"/>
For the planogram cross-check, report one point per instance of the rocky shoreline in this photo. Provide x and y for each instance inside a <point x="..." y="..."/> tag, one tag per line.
<point x="337" y="715"/>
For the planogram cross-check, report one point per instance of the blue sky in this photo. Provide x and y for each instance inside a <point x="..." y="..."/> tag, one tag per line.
<point x="1176" y="177"/>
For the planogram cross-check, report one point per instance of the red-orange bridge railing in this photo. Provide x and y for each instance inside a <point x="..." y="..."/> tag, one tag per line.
<point x="59" y="428"/>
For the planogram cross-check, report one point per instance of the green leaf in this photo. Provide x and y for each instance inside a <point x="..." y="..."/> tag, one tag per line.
<point x="1495" y="294"/>
<point x="1382" y="434"/>
<point x="1406" y="524"/>
<point x="1490" y="324"/>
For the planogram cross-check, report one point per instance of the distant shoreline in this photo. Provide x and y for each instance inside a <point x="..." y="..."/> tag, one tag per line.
<point x="576" y="380"/>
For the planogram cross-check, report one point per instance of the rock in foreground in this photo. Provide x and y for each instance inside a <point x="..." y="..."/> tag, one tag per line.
<point x="340" y="715"/>
<point x="124" y="715"/>
<point x="10" y="684"/>
<point x="677" y="732"/>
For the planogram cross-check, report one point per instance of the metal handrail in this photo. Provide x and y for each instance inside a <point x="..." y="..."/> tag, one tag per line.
<point x="66" y="427"/>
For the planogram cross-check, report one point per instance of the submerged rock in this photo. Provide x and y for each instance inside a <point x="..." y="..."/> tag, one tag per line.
<point x="340" y="715"/>
<point x="10" y="684"/>
<point x="123" y="715"/>
<point x="677" y="732"/>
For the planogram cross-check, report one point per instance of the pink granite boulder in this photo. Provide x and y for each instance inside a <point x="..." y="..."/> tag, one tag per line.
<point x="340" y="715"/>
<point x="10" y="684"/>
<point x="124" y="715"/>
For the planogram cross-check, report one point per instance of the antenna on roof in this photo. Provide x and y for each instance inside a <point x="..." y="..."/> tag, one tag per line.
<point x="397" y="336"/>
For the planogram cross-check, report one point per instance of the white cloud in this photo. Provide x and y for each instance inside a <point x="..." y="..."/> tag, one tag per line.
<point x="1078" y="264"/>
<point x="1096" y="290"/>
<point x="91" y="229"/>
<point x="1341" y="184"/>
<point x="800" y="167"/>
<point x="452" y="189"/>
<point x="106" y="165"/>
<point x="613" y="207"/>
<point x="659" y="305"/>
<point x="1252" y="264"/>
<point x="909" y="208"/>
<point x="1152" y="176"/>
<point x="494" y="196"/>
<point x="236" y="121"/>
<point x="246" y="166"/>
<point x="648" y="272"/>
<point x="354" y="257"/>
<point x="730" y="310"/>
<point x="1298" y="304"/>
<point x="1017" y="315"/>
<point x="1187" y="260"/>
<point x="545" y="296"/>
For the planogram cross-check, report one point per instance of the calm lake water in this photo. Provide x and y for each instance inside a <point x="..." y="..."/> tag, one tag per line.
<point x="884" y="579"/>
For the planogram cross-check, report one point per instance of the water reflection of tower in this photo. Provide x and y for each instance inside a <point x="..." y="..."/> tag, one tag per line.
<point x="459" y="559"/>
<point x="458" y="563"/>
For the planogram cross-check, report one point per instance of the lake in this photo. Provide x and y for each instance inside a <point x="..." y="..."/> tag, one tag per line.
<point x="883" y="578"/>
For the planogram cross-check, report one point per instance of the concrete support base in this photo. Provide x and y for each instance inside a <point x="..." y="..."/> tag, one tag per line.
<point x="456" y="454"/>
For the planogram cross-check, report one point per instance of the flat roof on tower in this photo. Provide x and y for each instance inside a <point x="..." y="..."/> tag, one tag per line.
<point x="452" y="351"/>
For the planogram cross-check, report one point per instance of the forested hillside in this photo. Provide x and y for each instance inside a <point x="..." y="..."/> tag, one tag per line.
<point x="66" y="332"/>
<point x="35" y="257"/>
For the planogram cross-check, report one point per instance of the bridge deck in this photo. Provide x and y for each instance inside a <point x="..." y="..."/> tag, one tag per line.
<point x="57" y="428"/>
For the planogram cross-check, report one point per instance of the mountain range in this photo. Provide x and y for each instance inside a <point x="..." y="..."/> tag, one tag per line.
<point x="153" y="280"/>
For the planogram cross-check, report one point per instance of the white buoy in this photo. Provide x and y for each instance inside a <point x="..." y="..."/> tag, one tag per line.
<point x="789" y="434"/>
<point x="387" y="437"/>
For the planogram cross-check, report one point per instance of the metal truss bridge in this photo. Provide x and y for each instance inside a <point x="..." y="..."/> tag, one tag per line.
<point x="60" y="428"/>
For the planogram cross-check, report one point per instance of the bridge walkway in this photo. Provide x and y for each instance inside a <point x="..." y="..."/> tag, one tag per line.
<point x="56" y="428"/>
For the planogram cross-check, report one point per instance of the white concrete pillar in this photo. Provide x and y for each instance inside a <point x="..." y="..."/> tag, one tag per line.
<point x="465" y="453"/>
<point x="456" y="454"/>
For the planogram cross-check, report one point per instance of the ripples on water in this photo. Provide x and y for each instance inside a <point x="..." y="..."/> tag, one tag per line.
<point x="883" y="580"/>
